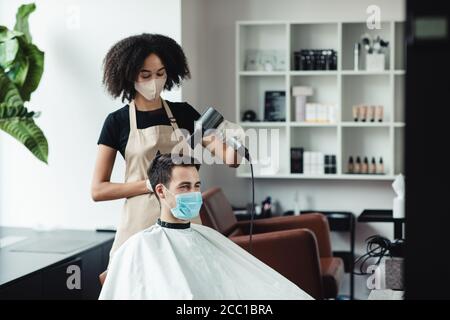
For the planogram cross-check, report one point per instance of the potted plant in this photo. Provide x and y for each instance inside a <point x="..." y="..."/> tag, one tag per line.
<point x="21" y="68"/>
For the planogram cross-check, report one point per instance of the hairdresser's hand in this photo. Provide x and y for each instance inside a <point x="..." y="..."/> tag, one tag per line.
<point x="229" y="129"/>
<point x="216" y="143"/>
<point x="148" y="186"/>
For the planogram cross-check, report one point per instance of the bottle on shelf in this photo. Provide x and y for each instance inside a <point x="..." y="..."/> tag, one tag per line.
<point x="380" y="169"/>
<point x="379" y="113"/>
<point x="365" y="166"/>
<point x="364" y="113"/>
<point x="371" y="113"/>
<point x="357" y="167"/>
<point x="350" y="165"/>
<point x="355" y="113"/>
<point x="356" y="54"/>
<point x="267" y="207"/>
<point x="373" y="166"/>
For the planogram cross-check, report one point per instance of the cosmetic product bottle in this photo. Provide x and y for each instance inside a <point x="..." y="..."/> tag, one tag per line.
<point x="267" y="207"/>
<point x="356" y="54"/>
<point x="379" y="113"/>
<point x="327" y="164"/>
<point x="357" y="167"/>
<point x="380" y="169"/>
<point x="350" y="165"/>
<point x="333" y="164"/>
<point x="373" y="166"/>
<point x="365" y="166"/>
<point x="371" y="113"/>
<point x="363" y="113"/>
<point x="355" y="113"/>
<point x="296" y="204"/>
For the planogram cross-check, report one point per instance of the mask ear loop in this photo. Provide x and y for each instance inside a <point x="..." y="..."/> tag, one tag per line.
<point x="171" y="194"/>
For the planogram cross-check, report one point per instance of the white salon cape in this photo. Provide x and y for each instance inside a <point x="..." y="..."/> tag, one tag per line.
<point x="196" y="262"/>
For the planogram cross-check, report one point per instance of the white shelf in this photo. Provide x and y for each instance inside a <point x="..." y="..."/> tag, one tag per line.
<point x="313" y="73"/>
<point x="262" y="73"/>
<point x="320" y="73"/>
<point x="262" y="124"/>
<point x="343" y="87"/>
<point x="366" y="124"/>
<point x="381" y="177"/>
<point x="325" y="125"/>
<point x="312" y="124"/>
<point x="365" y="72"/>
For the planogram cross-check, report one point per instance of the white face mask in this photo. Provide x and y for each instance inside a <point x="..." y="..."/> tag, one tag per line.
<point x="150" y="89"/>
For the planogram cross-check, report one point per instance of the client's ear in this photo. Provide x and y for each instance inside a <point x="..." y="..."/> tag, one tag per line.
<point x="159" y="190"/>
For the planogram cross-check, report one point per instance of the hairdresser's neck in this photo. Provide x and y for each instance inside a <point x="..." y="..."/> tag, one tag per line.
<point x="143" y="104"/>
<point x="167" y="216"/>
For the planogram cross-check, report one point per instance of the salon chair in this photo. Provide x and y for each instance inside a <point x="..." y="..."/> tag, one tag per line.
<point x="218" y="214"/>
<point x="287" y="252"/>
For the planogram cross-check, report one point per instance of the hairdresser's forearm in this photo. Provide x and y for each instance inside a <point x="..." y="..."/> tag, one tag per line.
<point x="111" y="191"/>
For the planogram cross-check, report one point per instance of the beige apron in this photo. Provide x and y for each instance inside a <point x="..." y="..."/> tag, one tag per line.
<point x="141" y="212"/>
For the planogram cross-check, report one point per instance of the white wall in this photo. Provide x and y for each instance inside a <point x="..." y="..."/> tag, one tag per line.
<point x="208" y="34"/>
<point x="74" y="106"/>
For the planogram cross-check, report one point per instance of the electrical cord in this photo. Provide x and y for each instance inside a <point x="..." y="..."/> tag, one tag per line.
<point x="253" y="207"/>
<point x="377" y="247"/>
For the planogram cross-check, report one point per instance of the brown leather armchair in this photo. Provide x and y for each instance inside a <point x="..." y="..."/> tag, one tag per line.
<point x="217" y="213"/>
<point x="289" y="251"/>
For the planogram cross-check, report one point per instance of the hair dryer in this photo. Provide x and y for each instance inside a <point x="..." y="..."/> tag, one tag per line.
<point x="211" y="119"/>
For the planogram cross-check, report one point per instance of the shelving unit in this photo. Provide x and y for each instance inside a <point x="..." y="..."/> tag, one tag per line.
<point x="343" y="87"/>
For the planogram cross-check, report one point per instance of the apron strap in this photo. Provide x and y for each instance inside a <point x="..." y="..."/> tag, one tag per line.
<point x="132" y="114"/>
<point x="172" y="120"/>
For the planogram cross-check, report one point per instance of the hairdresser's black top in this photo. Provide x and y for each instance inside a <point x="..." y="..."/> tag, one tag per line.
<point x="116" y="127"/>
<point x="174" y="225"/>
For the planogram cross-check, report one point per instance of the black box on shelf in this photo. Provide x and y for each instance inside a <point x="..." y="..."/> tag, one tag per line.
<point x="315" y="59"/>
<point x="330" y="164"/>
<point x="296" y="160"/>
<point x="275" y="106"/>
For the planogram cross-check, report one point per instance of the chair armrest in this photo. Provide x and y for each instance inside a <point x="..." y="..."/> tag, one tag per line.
<point x="316" y="222"/>
<point x="292" y="253"/>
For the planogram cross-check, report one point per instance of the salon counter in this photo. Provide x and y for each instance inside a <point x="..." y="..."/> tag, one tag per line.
<point x="60" y="264"/>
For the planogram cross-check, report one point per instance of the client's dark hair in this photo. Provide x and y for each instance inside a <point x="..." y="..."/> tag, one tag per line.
<point x="160" y="169"/>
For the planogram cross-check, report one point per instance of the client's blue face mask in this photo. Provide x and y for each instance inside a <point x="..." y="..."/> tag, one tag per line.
<point x="187" y="205"/>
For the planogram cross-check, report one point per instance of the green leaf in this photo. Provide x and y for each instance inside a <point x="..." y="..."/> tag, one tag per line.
<point x="6" y="34"/>
<point x="9" y="94"/>
<point x="10" y="113"/>
<point x="27" y="69"/>
<point x="9" y="46"/>
<point x="8" y="52"/>
<point x="22" y="20"/>
<point x="18" y="71"/>
<point x="29" y="134"/>
<point x="17" y="121"/>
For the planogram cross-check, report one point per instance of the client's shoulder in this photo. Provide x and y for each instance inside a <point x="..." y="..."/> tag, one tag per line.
<point x="203" y="228"/>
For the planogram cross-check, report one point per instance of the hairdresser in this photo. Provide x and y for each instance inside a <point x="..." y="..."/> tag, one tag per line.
<point x="138" y="69"/>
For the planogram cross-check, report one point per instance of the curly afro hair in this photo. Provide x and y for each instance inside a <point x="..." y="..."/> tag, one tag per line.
<point x="124" y="60"/>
